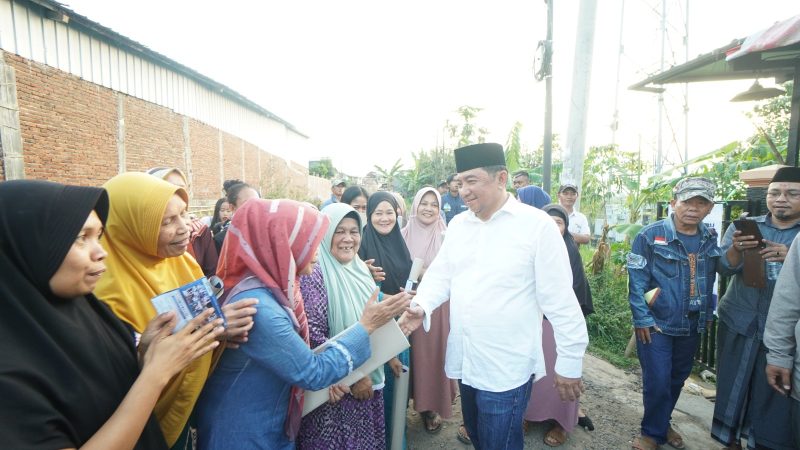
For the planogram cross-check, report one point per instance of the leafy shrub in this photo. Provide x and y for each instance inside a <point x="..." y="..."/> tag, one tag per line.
<point x="610" y="326"/>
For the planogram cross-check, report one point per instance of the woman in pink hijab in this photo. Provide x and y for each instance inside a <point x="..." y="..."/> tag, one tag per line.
<point x="433" y="392"/>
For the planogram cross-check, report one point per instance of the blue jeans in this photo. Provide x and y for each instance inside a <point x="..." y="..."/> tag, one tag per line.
<point x="494" y="419"/>
<point x="796" y="422"/>
<point x="666" y="363"/>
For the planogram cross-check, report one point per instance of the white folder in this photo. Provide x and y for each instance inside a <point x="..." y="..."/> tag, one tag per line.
<point x="385" y="343"/>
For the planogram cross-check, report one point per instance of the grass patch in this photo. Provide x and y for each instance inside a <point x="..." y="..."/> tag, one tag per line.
<point x="610" y="326"/>
<point x="615" y="358"/>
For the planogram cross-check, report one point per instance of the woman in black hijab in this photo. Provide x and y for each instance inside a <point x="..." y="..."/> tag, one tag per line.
<point x="579" y="282"/>
<point x="383" y="242"/>
<point x="69" y="375"/>
<point x="545" y="403"/>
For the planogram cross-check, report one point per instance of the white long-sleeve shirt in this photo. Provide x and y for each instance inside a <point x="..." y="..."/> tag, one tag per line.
<point x="500" y="276"/>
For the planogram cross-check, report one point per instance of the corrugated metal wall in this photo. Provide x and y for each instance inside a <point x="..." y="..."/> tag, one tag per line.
<point x="26" y="32"/>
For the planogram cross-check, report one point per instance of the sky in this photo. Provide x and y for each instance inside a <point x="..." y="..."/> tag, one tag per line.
<point x="371" y="82"/>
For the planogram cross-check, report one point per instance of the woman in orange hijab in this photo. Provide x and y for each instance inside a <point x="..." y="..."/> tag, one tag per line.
<point x="146" y="239"/>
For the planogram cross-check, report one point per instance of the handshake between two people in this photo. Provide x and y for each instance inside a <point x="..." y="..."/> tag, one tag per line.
<point x="569" y="389"/>
<point x="378" y="313"/>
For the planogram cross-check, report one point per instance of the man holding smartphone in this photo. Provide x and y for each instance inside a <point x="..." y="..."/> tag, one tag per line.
<point x="746" y="407"/>
<point x="678" y="255"/>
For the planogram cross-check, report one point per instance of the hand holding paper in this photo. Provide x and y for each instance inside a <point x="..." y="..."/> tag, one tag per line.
<point x="169" y="353"/>
<point x="386" y="342"/>
<point x="397" y="367"/>
<point x="413" y="274"/>
<point x="362" y="390"/>
<point x="337" y="392"/>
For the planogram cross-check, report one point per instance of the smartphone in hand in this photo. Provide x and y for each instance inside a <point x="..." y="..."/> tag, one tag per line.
<point x="750" y="228"/>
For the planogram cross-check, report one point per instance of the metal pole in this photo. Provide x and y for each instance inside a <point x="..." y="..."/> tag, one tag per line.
<point x="547" y="156"/>
<point x="793" y="144"/>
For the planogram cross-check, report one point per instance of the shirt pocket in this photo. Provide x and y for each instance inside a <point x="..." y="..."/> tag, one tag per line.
<point x="666" y="263"/>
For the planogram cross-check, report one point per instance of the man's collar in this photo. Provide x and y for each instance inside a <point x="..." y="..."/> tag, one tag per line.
<point x="510" y="206"/>
<point x="672" y="233"/>
<point x="767" y="220"/>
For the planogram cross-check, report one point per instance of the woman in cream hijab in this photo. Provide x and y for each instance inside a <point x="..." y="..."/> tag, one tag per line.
<point x="146" y="239"/>
<point x="433" y="392"/>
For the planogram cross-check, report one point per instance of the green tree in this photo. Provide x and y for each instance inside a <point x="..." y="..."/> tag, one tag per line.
<point x="322" y="168"/>
<point x="467" y="132"/>
<point x="609" y="172"/>
<point x="772" y="120"/>
<point x="391" y="173"/>
<point x="723" y="165"/>
<point x="513" y="148"/>
<point x="532" y="162"/>
<point x="433" y="166"/>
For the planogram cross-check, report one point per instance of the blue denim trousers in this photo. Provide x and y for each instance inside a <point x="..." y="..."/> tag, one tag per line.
<point x="494" y="419"/>
<point x="796" y="422"/>
<point x="666" y="363"/>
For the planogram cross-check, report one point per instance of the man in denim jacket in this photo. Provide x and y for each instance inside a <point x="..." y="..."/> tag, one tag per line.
<point x="678" y="255"/>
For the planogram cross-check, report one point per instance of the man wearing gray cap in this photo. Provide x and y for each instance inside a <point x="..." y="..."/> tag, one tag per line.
<point x="502" y="265"/>
<point x="678" y="256"/>
<point x="337" y="189"/>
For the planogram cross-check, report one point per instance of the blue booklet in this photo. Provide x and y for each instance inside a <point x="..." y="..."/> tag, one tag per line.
<point x="188" y="302"/>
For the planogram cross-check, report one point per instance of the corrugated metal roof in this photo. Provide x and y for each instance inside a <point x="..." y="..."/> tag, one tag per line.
<point x="773" y="52"/>
<point x="89" y="26"/>
<point x="782" y="34"/>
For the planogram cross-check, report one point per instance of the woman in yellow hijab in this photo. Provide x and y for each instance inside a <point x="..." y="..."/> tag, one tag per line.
<point x="146" y="238"/>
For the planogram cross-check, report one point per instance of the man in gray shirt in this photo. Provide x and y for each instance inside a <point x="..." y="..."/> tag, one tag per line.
<point x="781" y="334"/>
<point x="746" y="408"/>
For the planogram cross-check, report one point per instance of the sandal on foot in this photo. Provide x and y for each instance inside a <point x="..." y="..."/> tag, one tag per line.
<point x="643" y="442"/>
<point x="674" y="439"/>
<point x="432" y="421"/>
<point x="586" y="423"/>
<point x="555" y="437"/>
<point x="463" y="436"/>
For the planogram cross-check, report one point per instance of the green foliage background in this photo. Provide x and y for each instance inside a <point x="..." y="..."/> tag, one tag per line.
<point x="612" y="174"/>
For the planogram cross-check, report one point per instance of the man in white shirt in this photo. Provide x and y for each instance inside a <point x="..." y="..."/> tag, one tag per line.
<point x="502" y="265"/>
<point x="578" y="223"/>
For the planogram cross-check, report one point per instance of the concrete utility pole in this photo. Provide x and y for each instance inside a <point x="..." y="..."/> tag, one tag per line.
<point x="686" y="97"/>
<point x="660" y="148"/>
<point x="615" y="120"/>
<point x="547" y="145"/>
<point x="574" y="150"/>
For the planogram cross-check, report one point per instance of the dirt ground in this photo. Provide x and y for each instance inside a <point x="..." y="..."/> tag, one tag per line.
<point x="613" y="400"/>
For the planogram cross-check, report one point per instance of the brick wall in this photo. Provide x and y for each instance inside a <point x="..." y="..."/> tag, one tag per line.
<point x="232" y="161"/>
<point x="69" y="130"/>
<point x="251" y="163"/>
<point x="206" y="178"/>
<point x="153" y="136"/>
<point x="68" y="126"/>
